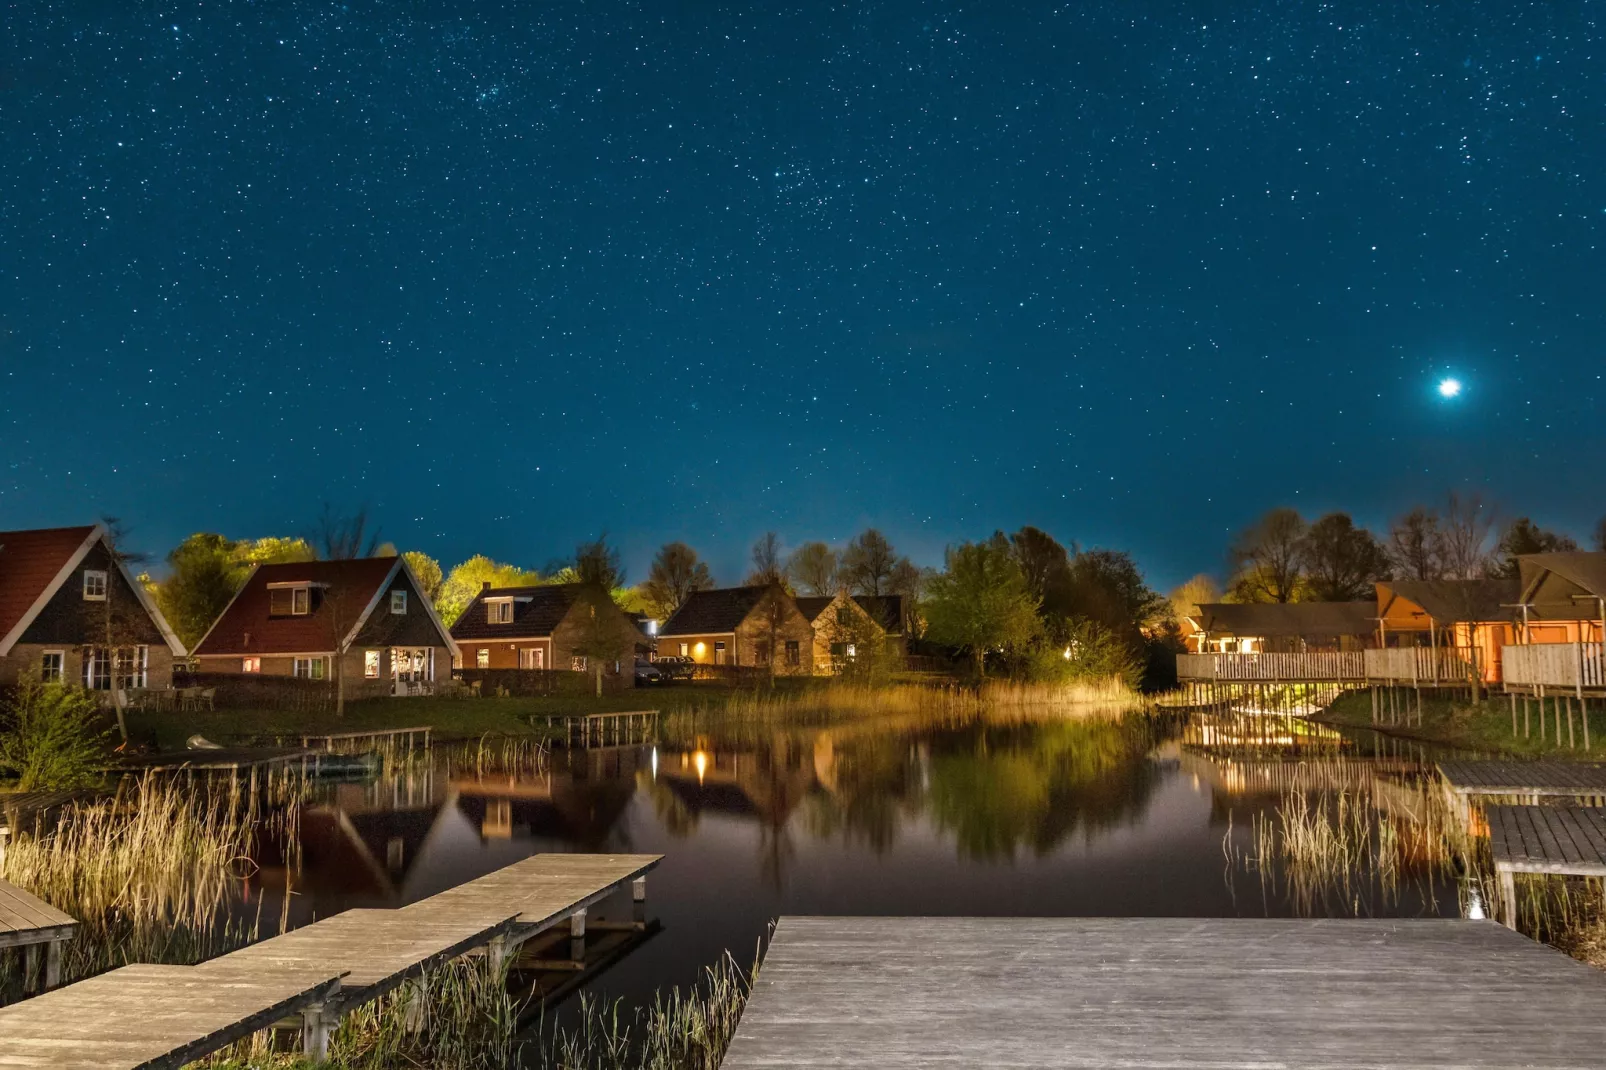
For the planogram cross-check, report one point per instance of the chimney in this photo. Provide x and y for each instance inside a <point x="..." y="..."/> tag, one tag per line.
<point x="485" y="586"/>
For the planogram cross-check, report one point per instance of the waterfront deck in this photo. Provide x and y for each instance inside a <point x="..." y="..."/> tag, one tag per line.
<point x="544" y="890"/>
<point x="1544" y="839"/>
<point x="1525" y="779"/>
<point x="29" y="923"/>
<point x="1174" y="993"/>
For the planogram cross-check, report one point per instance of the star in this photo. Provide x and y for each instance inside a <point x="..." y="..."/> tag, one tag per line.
<point x="1449" y="388"/>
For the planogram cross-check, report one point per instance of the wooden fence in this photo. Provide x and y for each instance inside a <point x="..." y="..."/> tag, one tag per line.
<point x="1421" y="666"/>
<point x="1323" y="666"/>
<point x="1576" y="667"/>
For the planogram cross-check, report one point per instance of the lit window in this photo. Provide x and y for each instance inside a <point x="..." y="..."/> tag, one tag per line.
<point x="94" y="586"/>
<point x="309" y="668"/>
<point x="53" y="666"/>
<point x="370" y="664"/>
<point x="499" y="611"/>
<point x="794" y="654"/>
<point x="300" y="601"/>
<point x="719" y="653"/>
<point x="98" y="669"/>
<point x="482" y="658"/>
<point x="398" y="602"/>
<point x="251" y="665"/>
<point x="578" y="663"/>
<point x="685" y="648"/>
<point x="132" y="665"/>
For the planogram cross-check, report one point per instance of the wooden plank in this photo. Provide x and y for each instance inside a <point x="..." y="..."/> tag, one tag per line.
<point x="151" y="1016"/>
<point x="25" y="919"/>
<point x="542" y="889"/>
<point x="1548" y="839"/>
<point x="1524" y="778"/>
<point x="1176" y="993"/>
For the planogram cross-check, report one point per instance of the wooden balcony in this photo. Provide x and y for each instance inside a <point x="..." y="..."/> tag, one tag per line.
<point x="1421" y="666"/>
<point x="1317" y="667"/>
<point x="1558" y="668"/>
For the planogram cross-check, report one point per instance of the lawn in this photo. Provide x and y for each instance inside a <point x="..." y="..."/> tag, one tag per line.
<point x="1484" y="727"/>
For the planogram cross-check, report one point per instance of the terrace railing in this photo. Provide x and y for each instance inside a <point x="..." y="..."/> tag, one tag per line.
<point x="1417" y="666"/>
<point x="1323" y="666"/>
<point x="1563" y="666"/>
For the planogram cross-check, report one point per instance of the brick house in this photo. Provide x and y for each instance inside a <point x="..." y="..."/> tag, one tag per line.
<point x="892" y="613"/>
<point x="70" y="611"/>
<point x="844" y="631"/>
<point x="541" y="628"/>
<point x="738" y="626"/>
<point x="368" y="616"/>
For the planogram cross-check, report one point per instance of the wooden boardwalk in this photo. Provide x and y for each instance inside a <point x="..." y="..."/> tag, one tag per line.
<point x="886" y="993"/>
<point x="543" y="890"/>
<point x="1574" y="779"/>
<point x="28" y="922"/>
<point x="1544" y="839"/>
<point x="153" y="1016"/>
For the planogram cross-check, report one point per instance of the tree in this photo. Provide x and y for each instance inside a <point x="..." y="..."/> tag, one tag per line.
<point x="1186" y="599"/>
<point x="340" y="607"/>
<point x="428" y="571"/>
<point x="1523" y="536"/>
<point x="676" y="573"/>
<point x="1342" y="561"/>
<point x="813" y="567"/>
<point x="868" y="562"/>
<point x="120" y="619"/>
<point x="1463" y="544"/>
<point x="205" y="571"/>
<point x="1043" y="561"/>
<point x="1414" y="542"/>
<point x="597" y="564"/>
<point x="767" y="570"/>
<point x="1600" y="534"/>
<point x="342" y="538"/>
<point x="1266" y="558"/>
<point x="466" y="580"/>
<point x="601" y="639"/>
<point x="50" y="738"/>
<point x="981" y="601"/>
<point x="1107" y="586"/>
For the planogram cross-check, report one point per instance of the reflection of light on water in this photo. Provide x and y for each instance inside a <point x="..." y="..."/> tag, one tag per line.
<point x="1475" y="902"/>
<point x="655" y="763"/>
<point x="700" y="760"/>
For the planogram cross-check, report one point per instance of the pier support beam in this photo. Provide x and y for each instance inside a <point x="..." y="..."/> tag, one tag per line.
<point x="315" y="1028"/>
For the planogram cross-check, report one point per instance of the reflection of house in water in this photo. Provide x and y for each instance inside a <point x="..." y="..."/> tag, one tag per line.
<point x="766" y="782"/>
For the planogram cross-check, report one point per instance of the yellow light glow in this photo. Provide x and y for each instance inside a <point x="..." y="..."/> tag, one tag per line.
<point x="699" y="648"/>
<point x="700" y="760"/>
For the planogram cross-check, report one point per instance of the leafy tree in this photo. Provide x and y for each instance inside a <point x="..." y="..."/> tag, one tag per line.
<point x="813" y="567"/>
<point x="274" y="550"/>
<point x="676" y="572"/>
<point x="868" y="563"/>
<point x="1266" y="558"/>
<point x="597" y="564"/>
<point x="1107" y="586"/>
<point x="1523" y="536"/>
<point x="1043" y="561"/>
<point x="1341" y="561"/>
<point x="981" y="601"/>
<point x="601" y="639"/>
<point x="1600" y="534"/>
<point x="51" y="736"/>
<point x="1088" y="651"/>
<point x="1185" y="599"/>
<point x="204" y="573"/>
<point x="1414" y="542"/>
<point x="428" y="571"/>
<point x="768" y="569"/>
<point x="464" y="582"/>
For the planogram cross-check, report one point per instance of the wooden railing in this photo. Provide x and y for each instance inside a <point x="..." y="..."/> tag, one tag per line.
<point x="1420" y="665"/>
<point x="1325" y="666"/>
<point x="1574" y="666"/>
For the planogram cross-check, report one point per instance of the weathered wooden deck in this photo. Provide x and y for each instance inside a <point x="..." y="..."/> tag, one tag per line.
<point x="1575" y="779"/>
<point x="1544" y="839"/>
<point x="543" y="890"/>
<point x="153" y="1016"/>
<point x="1174" y="993"/>
<point x="27" y="922"/>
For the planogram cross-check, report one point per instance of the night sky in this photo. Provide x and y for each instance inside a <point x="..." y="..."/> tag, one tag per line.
<point x="511" y="275"/>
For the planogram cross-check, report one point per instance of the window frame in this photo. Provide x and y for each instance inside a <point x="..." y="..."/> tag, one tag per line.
<point x="317" y="668"/>
<point x="371" y="664"/>
<point x="398" y="598"/>
<point x="499" y="611"/>
<point x="482" y="658"/>
<point x="60" y="672"/>
<point x="251" y="664"/>
<point x="105" y="583"/>
<point x="97" y="668"/>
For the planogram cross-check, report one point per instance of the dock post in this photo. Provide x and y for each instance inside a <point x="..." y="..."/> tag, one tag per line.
<point x="315" y="1033"/>
<point x="1508" y="898"/>
<point x="30" y="969"/>
<point x="638" y="890"/>
<point x="53" y="965"/>
<point x="496" y="953"/>
<point x="577" y="936"/>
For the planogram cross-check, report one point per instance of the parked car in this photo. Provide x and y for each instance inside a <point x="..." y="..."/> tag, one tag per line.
<point x="647" y="673"/>
<point x="673" y="667"/>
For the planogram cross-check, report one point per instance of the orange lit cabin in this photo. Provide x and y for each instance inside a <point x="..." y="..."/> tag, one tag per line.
<point x="1563" y="597"/>
<point x="1476" y="618"/>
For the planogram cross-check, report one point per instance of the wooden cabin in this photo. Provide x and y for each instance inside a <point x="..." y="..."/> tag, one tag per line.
<point x="1563" y="597"/>
<point x="1477" y="619"/>
<point x="1281" y="628"/>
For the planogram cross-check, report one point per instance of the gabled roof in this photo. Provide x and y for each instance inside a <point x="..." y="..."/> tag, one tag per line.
<point x="1582" y="573"/>
<point x="536" y="611"/>
<point x="1271" y="619"/>
<point x="812" y="605"/>
<point x="34" y="565"/>
<point x="245" y="626"/>
<point x="1454" y="601"/>
<point x="715" y="612"/>
<point x="885" y="609"/>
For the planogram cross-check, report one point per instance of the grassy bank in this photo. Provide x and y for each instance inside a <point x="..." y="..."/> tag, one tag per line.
<point x="1484" y="727"/>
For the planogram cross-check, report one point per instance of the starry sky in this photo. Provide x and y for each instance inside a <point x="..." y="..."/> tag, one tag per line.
<point x="513" y="274"/>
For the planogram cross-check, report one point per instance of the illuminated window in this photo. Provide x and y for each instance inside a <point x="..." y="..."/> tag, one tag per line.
<point x="53" y="666"/>
<point x="132" y="665"/>
<point x="251" y="665"/>
<point x="578" y="663"/>
<point x="685" y="648"/>
<point x="370" y="664"/>
<point x="499" y="611"/>
<point x="98" y="669"/>
<point x="310" y="668"/>
<point x="532" y="657"/>
<point x="94" y="586"/>
<point x="794" y="653"/>
<point x="719" y="653"/>
<point x="398" y="603"/>
<point x="482" y="658"/>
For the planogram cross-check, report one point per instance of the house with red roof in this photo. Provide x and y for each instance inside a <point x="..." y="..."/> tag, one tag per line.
<point x="70" y="612"/>
<point x="544" y="627"/>
<point x="365" y="618"/>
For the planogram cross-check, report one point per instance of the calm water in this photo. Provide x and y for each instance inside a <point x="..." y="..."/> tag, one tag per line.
<point x="989" y="816"/>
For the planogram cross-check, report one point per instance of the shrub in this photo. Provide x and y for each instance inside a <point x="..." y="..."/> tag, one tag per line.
<point x="52" y="736"/>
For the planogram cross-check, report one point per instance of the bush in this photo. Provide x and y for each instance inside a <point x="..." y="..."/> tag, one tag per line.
<point x="52" y="736"/>
<point x="1089" y="651"/>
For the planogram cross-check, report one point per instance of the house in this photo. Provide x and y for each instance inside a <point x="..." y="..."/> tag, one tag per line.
<point x="844" y="630"/>
<point x="891" y="612"/>
<point x="366" y="618"/>
<point x="544" y="627"/>
<point x="70" y="611"/>
<point x="1281" y="628"/>
<point x="739" y="626"/>
<point x="1562" y="597"/>
<point x="1476" y="617"/>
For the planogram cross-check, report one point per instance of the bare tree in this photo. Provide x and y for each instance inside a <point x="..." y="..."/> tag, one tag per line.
<point x="868" y="563"/>
<point x="813" y="567"/>
<point x="1600" y="534"/>
<point x="1414" y="545"/>
<point x="340" y="608"/>
<point x="676" y="572"/>
<point x="768" y="569"/>
<point x="1266" y="558"/>
<point x="122" y="622"/>
<point x="1463" y="543"/>
<point x="596" y="563"/>
<point x="342" y="538"/>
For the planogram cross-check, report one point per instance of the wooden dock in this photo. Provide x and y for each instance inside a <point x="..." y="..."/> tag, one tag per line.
<point x="1544" y="839"/>
<point x="383" y="738"/>
<point x="626" y="728"/>
<point x="29" y="923"/>
<point x="1530" y="779"/>
<point x="221" y="759"/>
<point x="886" y="993"/>
<point x="371" y="952"/>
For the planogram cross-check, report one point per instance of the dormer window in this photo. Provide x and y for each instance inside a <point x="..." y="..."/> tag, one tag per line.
<point x="94" y="585"/>
<point x="398" y="603"/>
<point x="499" y="611"/>
<point x="289" y="599"/>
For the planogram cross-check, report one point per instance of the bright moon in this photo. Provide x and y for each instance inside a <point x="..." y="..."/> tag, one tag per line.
<point x="1449" y="388"/>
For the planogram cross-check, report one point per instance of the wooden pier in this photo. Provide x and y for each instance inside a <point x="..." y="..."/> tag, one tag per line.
<point x="29" y="923"/>
<point x="1530" y="780"/>
<point x="384" y="738"/>
<point x="1035" y="993"/>
<point x="1544" y="839"/>
<point x="368" y="952"/>
<point x="627" y="728"/>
